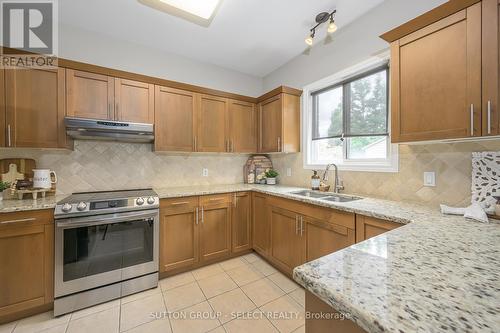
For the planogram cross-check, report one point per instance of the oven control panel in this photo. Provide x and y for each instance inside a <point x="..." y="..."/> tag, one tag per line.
<point x="69" y="208"/>
<point x="146" y="201"/>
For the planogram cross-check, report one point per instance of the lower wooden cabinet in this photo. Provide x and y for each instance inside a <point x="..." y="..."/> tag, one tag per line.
<point x="261" y="229"/>
<point x="215" y="227"/>
<point x="368" y="227"/>
<point x="241" y="222"/>
<point x="324" y="238"/>
<point x="26" y="263"/>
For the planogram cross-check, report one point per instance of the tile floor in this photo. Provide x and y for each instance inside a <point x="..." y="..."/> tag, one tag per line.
<point x="243" y="294"/>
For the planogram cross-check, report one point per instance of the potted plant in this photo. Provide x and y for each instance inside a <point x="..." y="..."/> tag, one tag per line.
<point x="3" y="186"/>
<point x="271" y="175"/>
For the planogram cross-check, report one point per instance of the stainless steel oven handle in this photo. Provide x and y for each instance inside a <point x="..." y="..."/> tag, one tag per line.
<point x="98" y="220"/>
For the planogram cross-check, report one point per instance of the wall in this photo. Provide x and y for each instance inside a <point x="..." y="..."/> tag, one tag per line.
<point x="97" y="49"/>
<point x="451" y="162"/>
<point x="109" y="166"/>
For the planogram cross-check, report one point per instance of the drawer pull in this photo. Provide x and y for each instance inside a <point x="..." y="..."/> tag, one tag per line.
<point x="216" y="199"/>
<point x="20" y="220"/>
<point x="179" y="203"/>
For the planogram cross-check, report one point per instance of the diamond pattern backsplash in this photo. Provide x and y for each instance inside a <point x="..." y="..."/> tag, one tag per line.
<point x="109" y="166"/>
<point x="450" y="161"/>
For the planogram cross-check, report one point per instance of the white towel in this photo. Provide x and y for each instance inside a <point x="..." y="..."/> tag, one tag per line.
<point x="473" y="212"/>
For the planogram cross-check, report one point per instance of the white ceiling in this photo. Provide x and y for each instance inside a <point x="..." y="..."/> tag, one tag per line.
<point x="250" y="36"/>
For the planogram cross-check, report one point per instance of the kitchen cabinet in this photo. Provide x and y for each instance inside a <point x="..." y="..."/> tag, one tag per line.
<point x="212" y="124"/>
<point x="242" y="127"/>
<point x="279" y="124"/>
<point x="324" y="237"/>
<point x="175" y="122"/>
<point x="436" y="77"/>
<point x="2" y="108"/>
<point x="134" y="101"/>
<point x="261" y="229"/>
<point x="215" y="227"/>
<point x="179" y="233"/>
<point x="35" y="108"/>
<point x="26" y="263"/>
<point x="89" y="95"/>
<point x="241" y="222"/>
<point x="368" y="227"/>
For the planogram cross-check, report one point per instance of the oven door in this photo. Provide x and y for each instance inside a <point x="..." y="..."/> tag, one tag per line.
<point x="94" y="251"/>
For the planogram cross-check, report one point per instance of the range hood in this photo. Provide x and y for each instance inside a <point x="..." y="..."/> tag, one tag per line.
<point x="95" y="129"/>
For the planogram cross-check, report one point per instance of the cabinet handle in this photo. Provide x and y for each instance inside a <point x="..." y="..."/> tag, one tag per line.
<point x="196" y="216"/>
<point x="202" y="217"/>
<point x="235" y="200"/>
<point x="472" y="120"/>
<point x="489" y="117"/>
<point x="279" y="144"/>
<point x="179" y="203"/>
<point x="20" y="220"/>
<point x="216" y="199"/>
<point x="8" y="136"/>
<point x="301" y="225"/>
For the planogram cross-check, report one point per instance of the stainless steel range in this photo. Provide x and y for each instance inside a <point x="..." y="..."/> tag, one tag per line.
<point x="106" y="247"/>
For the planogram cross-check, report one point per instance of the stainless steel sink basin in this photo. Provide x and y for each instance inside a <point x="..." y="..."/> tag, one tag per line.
<point x="326" y="196"/>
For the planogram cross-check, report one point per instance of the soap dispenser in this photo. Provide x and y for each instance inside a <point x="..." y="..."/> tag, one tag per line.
<point x="315" y="180"/>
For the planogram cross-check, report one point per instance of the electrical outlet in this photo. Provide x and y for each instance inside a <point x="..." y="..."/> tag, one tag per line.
<point x="289" y="172"/>
<point x="430" y="178"/>
<point x="205" y="172"/>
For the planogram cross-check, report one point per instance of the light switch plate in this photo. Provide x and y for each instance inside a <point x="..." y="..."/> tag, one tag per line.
<point x="289" y="172"/>
<point x="430" y="178"/>
<point x="205" y="172"/>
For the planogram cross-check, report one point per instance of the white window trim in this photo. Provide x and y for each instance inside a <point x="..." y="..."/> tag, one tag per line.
<point x="389" y="165"/>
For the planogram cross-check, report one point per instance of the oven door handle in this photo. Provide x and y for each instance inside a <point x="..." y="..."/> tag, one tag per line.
<point x="99" y="220"/>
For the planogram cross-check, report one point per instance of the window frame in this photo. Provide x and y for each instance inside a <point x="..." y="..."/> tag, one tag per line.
<point x="365" y="68"/>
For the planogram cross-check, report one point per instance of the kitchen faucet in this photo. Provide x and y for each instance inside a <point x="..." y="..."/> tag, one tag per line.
<point x="336" y="186"/>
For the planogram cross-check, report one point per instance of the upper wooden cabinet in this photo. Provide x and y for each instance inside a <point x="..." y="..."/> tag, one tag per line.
<point x="134" y="101"/>
<point x="279" y="124"/>
<point x="3" y="129"/>
<point x="242" y="127"/>
<point x="97" y="96"/>
<point x="212" y="124"/>
<point x="35" y="110"/>
<point x="89" y="95"/>
<point x="368" y="227"/>
<point x="175" y="124"/>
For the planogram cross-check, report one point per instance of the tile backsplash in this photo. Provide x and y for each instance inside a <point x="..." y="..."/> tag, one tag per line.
<point x="95" y="166"/>
<point x="451" y="162"/>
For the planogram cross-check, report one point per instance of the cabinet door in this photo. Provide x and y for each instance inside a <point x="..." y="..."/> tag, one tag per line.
<point x="89" y="95"/>
<point x="270" y="125"/>
<point x="2" y="108"/>
<point x="324" y="238"/>
<point x="242" y="127"/>
<point x="436" y="80"/>
<point x="490" y="65"/>
<point x="215" y="227"/>
<point x="287" y="239"/>
<point x="174" y="120"/>
<point x="212" y="117"/>
<point x="35" y="108"/>
<point x="134" y="101"/>
<point x="26" y="257"/>
<point x="179" y="233"/>
<point x="241" y="222"/>
<point x="368" y="227"/>
<point x="261" y="231"/>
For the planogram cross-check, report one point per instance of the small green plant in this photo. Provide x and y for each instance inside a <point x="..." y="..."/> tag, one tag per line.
<point x="271" y="173"/>
<point x="4" y="186"/>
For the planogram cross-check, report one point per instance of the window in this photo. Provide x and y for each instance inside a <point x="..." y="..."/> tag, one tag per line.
<point x="348" y="123"/>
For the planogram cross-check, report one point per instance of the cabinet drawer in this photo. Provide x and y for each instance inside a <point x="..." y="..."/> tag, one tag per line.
<point x="215" y="199"/>
<point x="178" y="205"/>
<point x="27" y="218"/>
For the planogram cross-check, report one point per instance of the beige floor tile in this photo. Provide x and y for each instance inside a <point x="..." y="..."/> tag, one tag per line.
<point x="183" y="296"/>
<point x="107" y="321"/>
<point x="263" y="267"/>
<point x="57" y="329"/>
<point x="196" y="319"/>
<point x="285" y="305"/>
<point x="176" y="281"/>
<point x="40" y="322"/>
<point x="282" y="281"/>
<point x="251" y="257"/>
<point x="231" y="304"/>
<point x="299" y="295"/>
<point x="142" y="294"/>
<point x="262" y="291"/>
<point x="157" y="326"/>
<point x="232" y="263"/>
<point x="245" y="274"/>
<point x="219" y="329"/>
<point x="301" y="329"/>
<point x="94" y="309"/>
<point x="216" y="285"/>
<point x="256" y="322"/>
<point x="207" y="271"/>
<point x="8" y="328"/>
<point x="140" y="312"/>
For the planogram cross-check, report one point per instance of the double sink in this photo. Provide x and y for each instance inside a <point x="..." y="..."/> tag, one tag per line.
<point x="332" y="197"/>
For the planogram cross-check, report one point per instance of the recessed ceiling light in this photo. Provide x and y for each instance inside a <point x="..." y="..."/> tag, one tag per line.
<point x="197" y="11"/>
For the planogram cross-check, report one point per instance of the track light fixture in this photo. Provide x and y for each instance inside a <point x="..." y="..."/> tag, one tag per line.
<point x="320" y="19"/>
